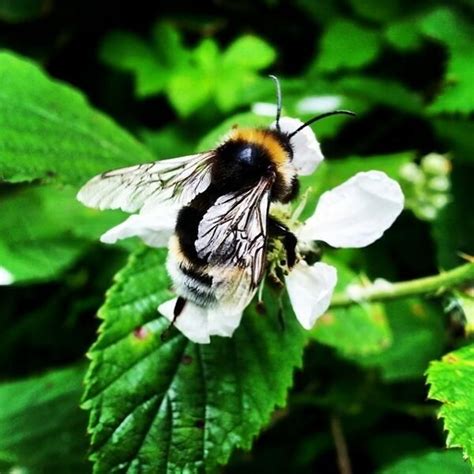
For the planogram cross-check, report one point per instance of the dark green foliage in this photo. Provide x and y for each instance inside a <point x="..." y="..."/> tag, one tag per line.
<point x="89" y="87"/>
<point x="42" y="428"/>
<point x="173" y="404"/>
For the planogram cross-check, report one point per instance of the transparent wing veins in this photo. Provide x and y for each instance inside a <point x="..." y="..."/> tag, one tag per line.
<point x="232" y="237"/>
<point x="176" y="181"/>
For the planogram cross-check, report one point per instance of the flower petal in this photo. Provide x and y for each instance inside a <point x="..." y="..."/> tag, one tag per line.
<point x="6" y="278"/>
<point x="357" y="212"/>
<point x="223" y="322"/>
<point x="192" y="321"/>
<point x="318" y="104"/>
<point x="310" y="289"/>
<point x="307" y="153"/>
<point x="153" y="225"/>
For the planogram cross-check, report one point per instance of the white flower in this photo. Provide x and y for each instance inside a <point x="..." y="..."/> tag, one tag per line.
<point x="310" y="289"/>
<point x="198" y="323"/>
<point x="318" y="104"/>
<point x="153" y="224"/>
<point x="353" y="214"/>
<point x="6" y="278"/>
<point x="307" y="151"/>
<point x="265" y="109"/>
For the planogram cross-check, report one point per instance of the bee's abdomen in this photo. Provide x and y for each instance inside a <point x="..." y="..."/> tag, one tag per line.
<point x="190" y="281"/>
<point x="187" y="225"/>
<point x="187" y="270"/>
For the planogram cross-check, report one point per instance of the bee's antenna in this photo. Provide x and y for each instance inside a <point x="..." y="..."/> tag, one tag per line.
<point x="319" y="117"/>
<point x="278" y="93"/>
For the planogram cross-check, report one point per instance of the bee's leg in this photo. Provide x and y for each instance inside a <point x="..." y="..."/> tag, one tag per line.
<point x="289" y="240"/>
<point x="178" y="309"/>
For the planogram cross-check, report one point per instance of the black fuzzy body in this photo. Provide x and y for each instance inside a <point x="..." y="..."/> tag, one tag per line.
<point x="237" y="165"/>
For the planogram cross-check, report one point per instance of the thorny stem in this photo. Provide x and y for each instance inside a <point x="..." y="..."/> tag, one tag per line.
<point x="343" y="459"/>
<point x="433" y="284"/>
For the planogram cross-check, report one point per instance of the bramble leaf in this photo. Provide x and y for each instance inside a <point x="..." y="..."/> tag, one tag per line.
<point x="43" y="230"/>
<point x="418" y="338"/>
<point x="48" y="130"/>
<point x="42" y="428"/>
<point x="402" y="34"/>
<point x="176" y="406"/>
<point x="249" y="52"/>
<point x="346" y="44"/>
<point x="376" y="11"/>
<point x="451" y="382"/>
<point x="448" y="27"/>
<point x="128" y="52"/>
<point x="355" y="330"/>
<point x="431" y="462"/>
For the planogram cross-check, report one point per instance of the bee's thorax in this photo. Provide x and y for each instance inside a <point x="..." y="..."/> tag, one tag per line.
<point x="249" y="154"/>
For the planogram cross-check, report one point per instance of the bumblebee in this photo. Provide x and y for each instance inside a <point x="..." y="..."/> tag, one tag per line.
<point x="217" y="255"/>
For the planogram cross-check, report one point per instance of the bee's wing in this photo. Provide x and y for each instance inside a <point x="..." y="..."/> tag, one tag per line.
<point x="232" y="238"/>
<point x="176" y="181"/>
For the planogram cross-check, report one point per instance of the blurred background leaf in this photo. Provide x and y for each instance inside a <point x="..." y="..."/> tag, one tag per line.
<point x="17" y="11"/>
<point x="45" y="230"/>
<point x="48" y="131"/>
<point x="431" y="462"/>
<point x="42" y="428"/>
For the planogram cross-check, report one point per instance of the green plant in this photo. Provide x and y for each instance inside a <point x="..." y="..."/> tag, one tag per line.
<point x="176" y="406"/>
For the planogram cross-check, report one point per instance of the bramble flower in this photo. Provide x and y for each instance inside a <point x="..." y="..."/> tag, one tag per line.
<point x="6" y="278"/>
<point x="352" y="215"/>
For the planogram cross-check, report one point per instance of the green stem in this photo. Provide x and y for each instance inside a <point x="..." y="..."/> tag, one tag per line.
<point x="432" y="284"/>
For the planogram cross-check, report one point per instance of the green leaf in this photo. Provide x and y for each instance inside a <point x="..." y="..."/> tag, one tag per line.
<point x="403" y="35"/>
<point x="44" y="230"/>
<point x="458" y="94"/>
<point x="384" y="92"/>
<point x="444" y="25"/>
<point x="432" y="462"/>
<point x="346" y="44"/>
<point x="17" y="11"/>
<point x="42" y="428"/>
<point x="176" y="406"/>
<point x="48" y="130"/>
<point x="320" y="12"/>
<point x="206" y="55"/>
<point x="127" y="51"/>
<point x="457" y="137"/>
<point x="375" y="10"/>
<point x="418" y="338"/>
<point x="168" y="45"/>
<point x="388" y="447"/>
<point x="451" y="382"/>
<point x="169" y="142"/>
<point x="249" y="52"/>
<point x="356" y="330"/>
<point x="189" y="89"/>
<point x="152" y="64"/>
